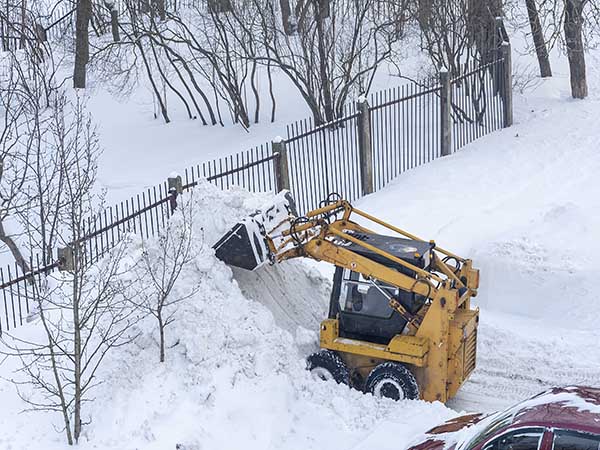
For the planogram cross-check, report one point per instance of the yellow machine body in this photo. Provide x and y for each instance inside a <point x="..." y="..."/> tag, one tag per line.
<point x="439" y="345"/>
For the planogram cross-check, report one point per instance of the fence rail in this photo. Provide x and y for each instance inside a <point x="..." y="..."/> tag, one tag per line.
<point x="355" y="155"/>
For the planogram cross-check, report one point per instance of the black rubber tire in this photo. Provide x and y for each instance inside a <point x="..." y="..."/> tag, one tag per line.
<point x="328" y="361"/>
<point x="392" y="380"/>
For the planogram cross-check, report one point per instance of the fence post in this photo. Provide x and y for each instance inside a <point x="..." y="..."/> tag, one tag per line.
<point x="364" y="146"/>
<point x="66" y="259"/>
<point x="175" y="185"/>
<point x="445" y="118"/>
<point x="282" y="172"/>
<point x="507" y="93"/>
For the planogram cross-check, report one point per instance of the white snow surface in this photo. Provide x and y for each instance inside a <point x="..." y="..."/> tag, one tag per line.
<point x="234" y="375"/>
<point x="523" y="203"/>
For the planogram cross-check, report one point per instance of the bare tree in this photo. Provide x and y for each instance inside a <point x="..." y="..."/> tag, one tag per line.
<point x="19" y="135"/>
<point x="336" y="51"/>
<point x="159" y="288"/>
<point x="82" y="310"/>
<point x="445" y="33"/>
<point x="114" y="19"/>
<point x="25" y="94"/>
<point x="459" y="33"/>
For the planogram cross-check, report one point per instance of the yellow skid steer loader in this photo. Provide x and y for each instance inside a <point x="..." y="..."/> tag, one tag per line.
<point x="400" y="322"/>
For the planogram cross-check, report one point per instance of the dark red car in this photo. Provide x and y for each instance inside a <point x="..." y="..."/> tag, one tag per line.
<point x="559" y="419"/>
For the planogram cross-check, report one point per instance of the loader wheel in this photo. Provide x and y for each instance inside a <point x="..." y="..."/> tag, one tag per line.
<point x="392" y="380"/>
<point x="327" y="365"/>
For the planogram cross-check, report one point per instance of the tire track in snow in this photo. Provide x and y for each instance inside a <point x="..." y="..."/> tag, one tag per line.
<point x="516" y="363"/>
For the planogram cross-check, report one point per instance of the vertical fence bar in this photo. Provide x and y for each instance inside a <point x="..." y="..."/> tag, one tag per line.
<point x="4" y="297"/>
<point x="507" y="84"/>
<point x="445" y="119"/>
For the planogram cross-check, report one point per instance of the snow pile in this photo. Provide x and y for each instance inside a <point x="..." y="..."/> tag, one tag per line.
<point x="234" y="375"/>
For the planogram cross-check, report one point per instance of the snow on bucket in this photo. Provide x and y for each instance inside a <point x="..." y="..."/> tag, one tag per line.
<point x="245" y="245"/>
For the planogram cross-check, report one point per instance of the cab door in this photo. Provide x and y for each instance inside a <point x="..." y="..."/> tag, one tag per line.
<point x="363" y="309"/>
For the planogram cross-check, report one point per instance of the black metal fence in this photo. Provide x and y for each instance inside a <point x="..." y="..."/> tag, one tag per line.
<point x="253" y="170"/>
<point x="373" y="143"/>
<point x="477" y="107"/>
<point x="145" y="214"/>
<point x="322" y="160"/>
<point x="405" y="123"/>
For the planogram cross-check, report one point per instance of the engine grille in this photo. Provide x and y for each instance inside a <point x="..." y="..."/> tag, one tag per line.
<point x="470" y="353"/>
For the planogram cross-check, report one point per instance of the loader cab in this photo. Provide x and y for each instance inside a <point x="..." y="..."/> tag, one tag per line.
<point x="362" y="305"/>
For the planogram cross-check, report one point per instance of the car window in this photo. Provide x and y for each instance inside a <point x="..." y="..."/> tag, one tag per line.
<point x="573" y="440"/>
<point x="496" y="423"/>
<point x="521" y="439"/>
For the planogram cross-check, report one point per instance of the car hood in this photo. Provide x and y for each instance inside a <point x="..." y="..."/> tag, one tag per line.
<point x="456" y="424"/>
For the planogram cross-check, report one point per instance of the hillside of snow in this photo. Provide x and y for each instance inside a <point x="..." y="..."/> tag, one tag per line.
<point x="523" y="203"/>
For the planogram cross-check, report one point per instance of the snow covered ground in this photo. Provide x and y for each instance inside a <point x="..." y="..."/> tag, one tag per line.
<point x="234" y="374"/>
<point x="523" y="203"/>
<point x="528" y="215"/>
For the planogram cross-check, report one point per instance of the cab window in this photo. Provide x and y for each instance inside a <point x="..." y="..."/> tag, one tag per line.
<point x="521" y="439"/>
<point x="359" y="296"/>
<point x="573" y="440"/>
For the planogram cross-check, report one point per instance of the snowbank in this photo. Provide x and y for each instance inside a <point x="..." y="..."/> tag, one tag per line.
<point x="234" y="375"/>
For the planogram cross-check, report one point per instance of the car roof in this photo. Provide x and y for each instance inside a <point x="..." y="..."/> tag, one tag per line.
<point x="575" y="407"/>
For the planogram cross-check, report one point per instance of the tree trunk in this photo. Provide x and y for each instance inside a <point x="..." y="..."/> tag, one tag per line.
<point x="255" y="92"/>
<point x="82" y="44"/>
<point x="161" y="329"/>
<point x="271" y="93"/>
<point x="76" y="355"/>
<point x="424" y="13"/>
<point x="286" y="17"/>
<point x="324" y="9"/>
<point x="482" y="27"/>
<point x="40" y="33"/>
<point x="162" y="10"/>
<point x="538" y="39"/>
<point x="575" y="50"/>
<point x="219" y="6"/>
<point x="322" y="61"/>
<point x="163" y="107"/>
<point x="23" y="23"/>
<point x="114" y="24"/>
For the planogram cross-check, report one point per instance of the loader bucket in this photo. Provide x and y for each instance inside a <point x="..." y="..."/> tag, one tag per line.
<point x="245" y="245"/>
